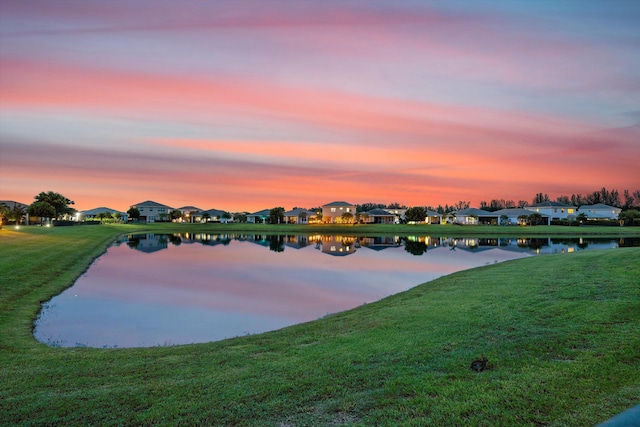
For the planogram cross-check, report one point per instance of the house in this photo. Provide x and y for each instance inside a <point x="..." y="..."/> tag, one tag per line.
<point x="398" y="214"/>
<point x="334" y="213"/>
<point x="151" y="211"/>
<point x="12" y="206"/>
<point x="474" y="216"/>
<point x="299" y="216"/>
<point x="433" y="218"/>
<point x="259" y="217"/>
<point x="600" y="211"/>
<point x="554" y="210"/>
<point x="92" y="214"/>
<point x="513" y="216"/>
<point x="191" y="213"/>
<point x="378" y="216"/>
<point x="216" y="215"/>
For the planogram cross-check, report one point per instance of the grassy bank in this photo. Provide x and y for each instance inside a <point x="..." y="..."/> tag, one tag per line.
<point x="560" y="332"/>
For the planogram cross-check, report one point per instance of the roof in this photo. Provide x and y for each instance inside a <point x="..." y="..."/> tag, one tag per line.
<point x="517" y="211"/>
<point x="378" y="212"/>
<point x="215" y="212"/>
<point x="599" y="206"/>
<point x="551" y="205"/>
<point x="264" y="212"/>
<point x="338" y="204"/>
<point x="298" y="211"/>
<point x="151" y="204"/>
<point x="190" y="209"/>
<point x="96" y="211"/>
<point x="474" y="211"/>
<point x="433" y="213"/>
<point x="12" y="204"/>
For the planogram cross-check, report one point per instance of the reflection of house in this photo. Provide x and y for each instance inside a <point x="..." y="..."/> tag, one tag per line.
<point x="298" y="216"/>
<point x="333" y="212"/>
<point x="92" y="214"/>
<point x="599" y="211"/>
<point x="514" y="215"/>
<point x="554" y="210"/>
<point x="151" y="211"/>
<point x="474" y="216"/>
<point x="380" y="242"/>
<point x="259" y="217"/>
<point x="378" y="216"/>
<point x="297" y="241"/>
<point x="191" y="213"/>
<point x="148" y="242"/>
<point x="335" y="245"/>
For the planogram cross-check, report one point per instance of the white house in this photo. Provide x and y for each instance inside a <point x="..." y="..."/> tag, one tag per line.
<point x="151" y="211"/>
<point x="259" y="217"/>
<point x="474" y="216"/>
<point x="600" y="211"/>
<point x="513" y="216"/>
<point x="378" y="216"/>
<point x="554" y="210"/>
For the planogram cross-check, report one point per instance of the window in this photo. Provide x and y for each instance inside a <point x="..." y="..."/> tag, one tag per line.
<point x="348" y="209"/>
<point x="570" y="210"/>
<point x="333" y="209"/>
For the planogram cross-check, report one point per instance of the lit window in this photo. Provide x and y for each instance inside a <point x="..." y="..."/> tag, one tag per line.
<point x="333" y="209"/>
<point x="570" y="210"/>
<point x="333" y="248"/>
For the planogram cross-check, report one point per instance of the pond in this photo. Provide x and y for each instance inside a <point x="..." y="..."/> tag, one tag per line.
<point x="160" y="289"/>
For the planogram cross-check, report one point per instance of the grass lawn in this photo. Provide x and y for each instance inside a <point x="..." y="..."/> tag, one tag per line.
<point x="560" y="333"/>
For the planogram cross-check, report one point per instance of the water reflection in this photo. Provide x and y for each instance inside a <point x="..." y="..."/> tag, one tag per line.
<point x="159" y="289"/>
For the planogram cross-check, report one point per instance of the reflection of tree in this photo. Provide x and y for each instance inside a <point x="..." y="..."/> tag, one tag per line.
<point x="133" y="242"/>
<point x="175" y="239"/>
<point x="537" y="243"/>
<point x="276" y="243"/>
<point x="415" y="247"/>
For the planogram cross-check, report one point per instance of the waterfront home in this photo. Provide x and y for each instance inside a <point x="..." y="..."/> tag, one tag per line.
<point x="600" y="211"/>
<point x="299" y="216"/>
<point x="334" y="212"/>
<point x="554" y="210"/>
<point x="433" y="218"/>
<point x="259" y="217"/>
<point x="474" y="216"/>
<point x="191" y="214"/>
<point x="151" y="211"/>
<point x="515" y="216"/>
<point x="92" y="214"/>
<point x="216" y="215"/>
<point x="378" y="216"/>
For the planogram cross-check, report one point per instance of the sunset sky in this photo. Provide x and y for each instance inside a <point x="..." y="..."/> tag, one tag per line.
<point x="246" y="105"/>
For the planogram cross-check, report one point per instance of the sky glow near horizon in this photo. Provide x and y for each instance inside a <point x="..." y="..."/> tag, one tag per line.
<point x="249" y="105"/>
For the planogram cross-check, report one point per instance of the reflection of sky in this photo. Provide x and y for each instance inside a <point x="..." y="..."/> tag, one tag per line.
<point x="195" y="293"/>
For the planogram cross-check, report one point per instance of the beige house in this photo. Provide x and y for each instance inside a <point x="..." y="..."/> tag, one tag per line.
<point x="151" y="211"/>
<point x="299" y="216"/>
<point x="334" y="213"/>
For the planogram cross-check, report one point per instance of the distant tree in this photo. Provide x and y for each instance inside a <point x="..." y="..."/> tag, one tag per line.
<point x="206" y="216"/>
<point x="240" y="217"/>
<point x="4" y="212"/>
<point x="628" y="200"/>
<point x="629" y="217"/>
<point x="504" y="220"/>
<point x="42" y="210"/>
<point x="117" y="216"/>
<point x="540" y="198"/>
<point x="347" y="218"/>
<point x="395" y="205"/>
<point x="523" y="219"/>
<point x="535" y="218"/>
<point x="14" y="214"/>
<point x="565" y="200"/>
<point x="523" y="203"/>
<point x="133" y="212"/>
<point x="461" y="205"/>
<point x="581" y="217"/>
<point x="175" y="214"/>
<point x="58" y="201"/>
<point x="416" y="214"/>
<point x="227" y="215"/>
<point x="276" y="215"/>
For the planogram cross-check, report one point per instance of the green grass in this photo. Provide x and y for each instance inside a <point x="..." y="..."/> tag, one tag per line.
<point x="560" y="332"/>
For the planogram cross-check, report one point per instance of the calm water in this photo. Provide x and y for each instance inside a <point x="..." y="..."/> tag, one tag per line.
<point x="151" y="290"/>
